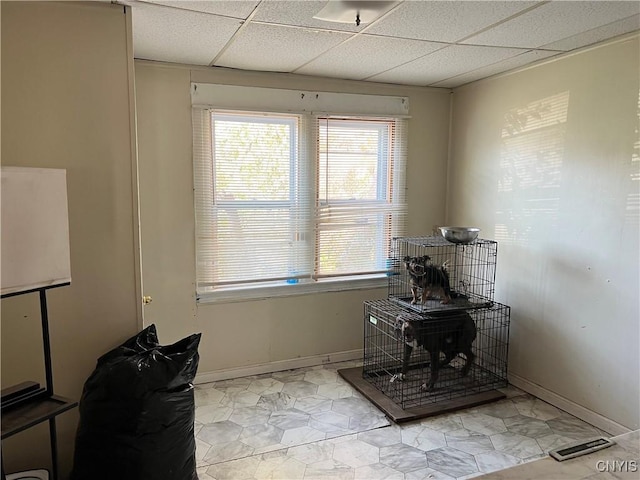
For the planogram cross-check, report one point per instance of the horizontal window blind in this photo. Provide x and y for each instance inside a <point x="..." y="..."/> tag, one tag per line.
<point x="251" y="214"/>
<point x="284" y="199"/>
<point x="360" y="194"/>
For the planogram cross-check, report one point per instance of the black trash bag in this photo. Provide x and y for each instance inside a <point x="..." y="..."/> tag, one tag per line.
<point x="137" y="412"/>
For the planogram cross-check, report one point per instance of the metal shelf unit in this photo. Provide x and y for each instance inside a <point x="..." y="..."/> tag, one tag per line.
<point x="43" y="405"/>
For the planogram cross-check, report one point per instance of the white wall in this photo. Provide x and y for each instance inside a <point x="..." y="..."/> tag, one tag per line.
<point x="67" y="70"/>
<point x="254" y="333"/>
<point x="546" y="161"/>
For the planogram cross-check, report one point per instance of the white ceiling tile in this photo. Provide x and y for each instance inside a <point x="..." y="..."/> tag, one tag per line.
<point x="408" y="46"/>
<point x="228" y="8"/>
<point x="444" y="21"/>
<point x="300" y="13"/>
<point x="500" y="67"/>
<point x="277" y="48"/>
<point x="366" y="55"/>
<point x="595" y="35"/>
<point x="448" y="62"/>
<point x="554" y="21"/>
<point x="181" y="36"/>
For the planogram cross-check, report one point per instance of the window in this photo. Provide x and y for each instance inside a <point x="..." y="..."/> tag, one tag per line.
<point x="286" y="200"/>
<point x="355" y="202"/>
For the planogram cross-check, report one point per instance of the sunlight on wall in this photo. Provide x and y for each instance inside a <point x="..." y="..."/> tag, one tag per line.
<point x="632" y="213"/>
<point x="548" y="161"/>
<point x="532" y="151"/>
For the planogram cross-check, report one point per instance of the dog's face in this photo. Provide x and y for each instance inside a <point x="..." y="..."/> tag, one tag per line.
<point x="416" y="265"/>
<point x="406" y="330"/>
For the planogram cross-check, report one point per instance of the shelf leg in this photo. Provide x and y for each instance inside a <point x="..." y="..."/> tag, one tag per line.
<point x="44" y="316"/>
<point x="53" y="438"/>
<point x="2" y="474"/>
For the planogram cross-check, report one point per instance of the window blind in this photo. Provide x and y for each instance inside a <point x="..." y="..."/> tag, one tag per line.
<point x="360" y="194"/>
<point x="294" y="198"/>
<point x="251" y="198"/>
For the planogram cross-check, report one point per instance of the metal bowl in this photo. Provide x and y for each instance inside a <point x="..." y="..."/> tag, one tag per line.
<point x="460" y="234"/>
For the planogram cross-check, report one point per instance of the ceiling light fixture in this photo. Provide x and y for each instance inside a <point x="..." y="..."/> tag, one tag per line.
<point x="358" y="11"/>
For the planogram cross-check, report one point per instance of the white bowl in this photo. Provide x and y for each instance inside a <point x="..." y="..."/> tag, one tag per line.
<point x="460" y="234"/>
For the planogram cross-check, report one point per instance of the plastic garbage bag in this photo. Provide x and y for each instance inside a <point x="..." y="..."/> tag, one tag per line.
<point x="137" y="412"/>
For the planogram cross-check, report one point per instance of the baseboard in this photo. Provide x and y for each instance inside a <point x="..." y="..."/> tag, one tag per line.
<point x="589" y="416"/>
<point x="278" y="366"/>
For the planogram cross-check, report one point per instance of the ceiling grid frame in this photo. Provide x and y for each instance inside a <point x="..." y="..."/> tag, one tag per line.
<point x="406" y="45"/>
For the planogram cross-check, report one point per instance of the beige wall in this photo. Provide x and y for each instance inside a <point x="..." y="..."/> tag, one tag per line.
<point x="66" y="75"/>
<point x="250" y="333"/>
<point x="562" y="200"/>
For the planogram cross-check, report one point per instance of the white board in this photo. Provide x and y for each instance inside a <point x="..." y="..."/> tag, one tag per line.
<point x="35" y="229"/>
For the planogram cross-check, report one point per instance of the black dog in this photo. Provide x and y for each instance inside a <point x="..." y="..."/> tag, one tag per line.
<point x="431" y="279"/>
<point x="451" y="334"/>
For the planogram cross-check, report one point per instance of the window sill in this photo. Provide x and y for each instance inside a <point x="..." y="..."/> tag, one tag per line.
<point x="273" y="291"/>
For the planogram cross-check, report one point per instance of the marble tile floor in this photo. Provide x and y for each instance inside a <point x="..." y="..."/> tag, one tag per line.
<point x="310" y="424"/>
<point x="619" y="462"/>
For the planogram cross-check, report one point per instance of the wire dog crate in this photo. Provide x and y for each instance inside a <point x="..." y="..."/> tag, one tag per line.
<point x="471" y="270"/>
<point x="485" y="329"/>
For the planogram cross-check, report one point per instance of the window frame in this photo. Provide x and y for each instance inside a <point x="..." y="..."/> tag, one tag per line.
<point x="384" y="193"/>
<point x="259" y="290"/>
<point x="235" y="208"/>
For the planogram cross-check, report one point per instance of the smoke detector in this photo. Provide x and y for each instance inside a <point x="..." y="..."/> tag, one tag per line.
<point x="353" y="11"/>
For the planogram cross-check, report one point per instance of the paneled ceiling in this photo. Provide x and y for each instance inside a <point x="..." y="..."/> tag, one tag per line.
<point x="414" y="42"/>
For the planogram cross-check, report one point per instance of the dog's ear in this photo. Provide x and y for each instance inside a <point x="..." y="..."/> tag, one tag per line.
<point x="406" y="259"/>
<point x="425" y="258"/>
